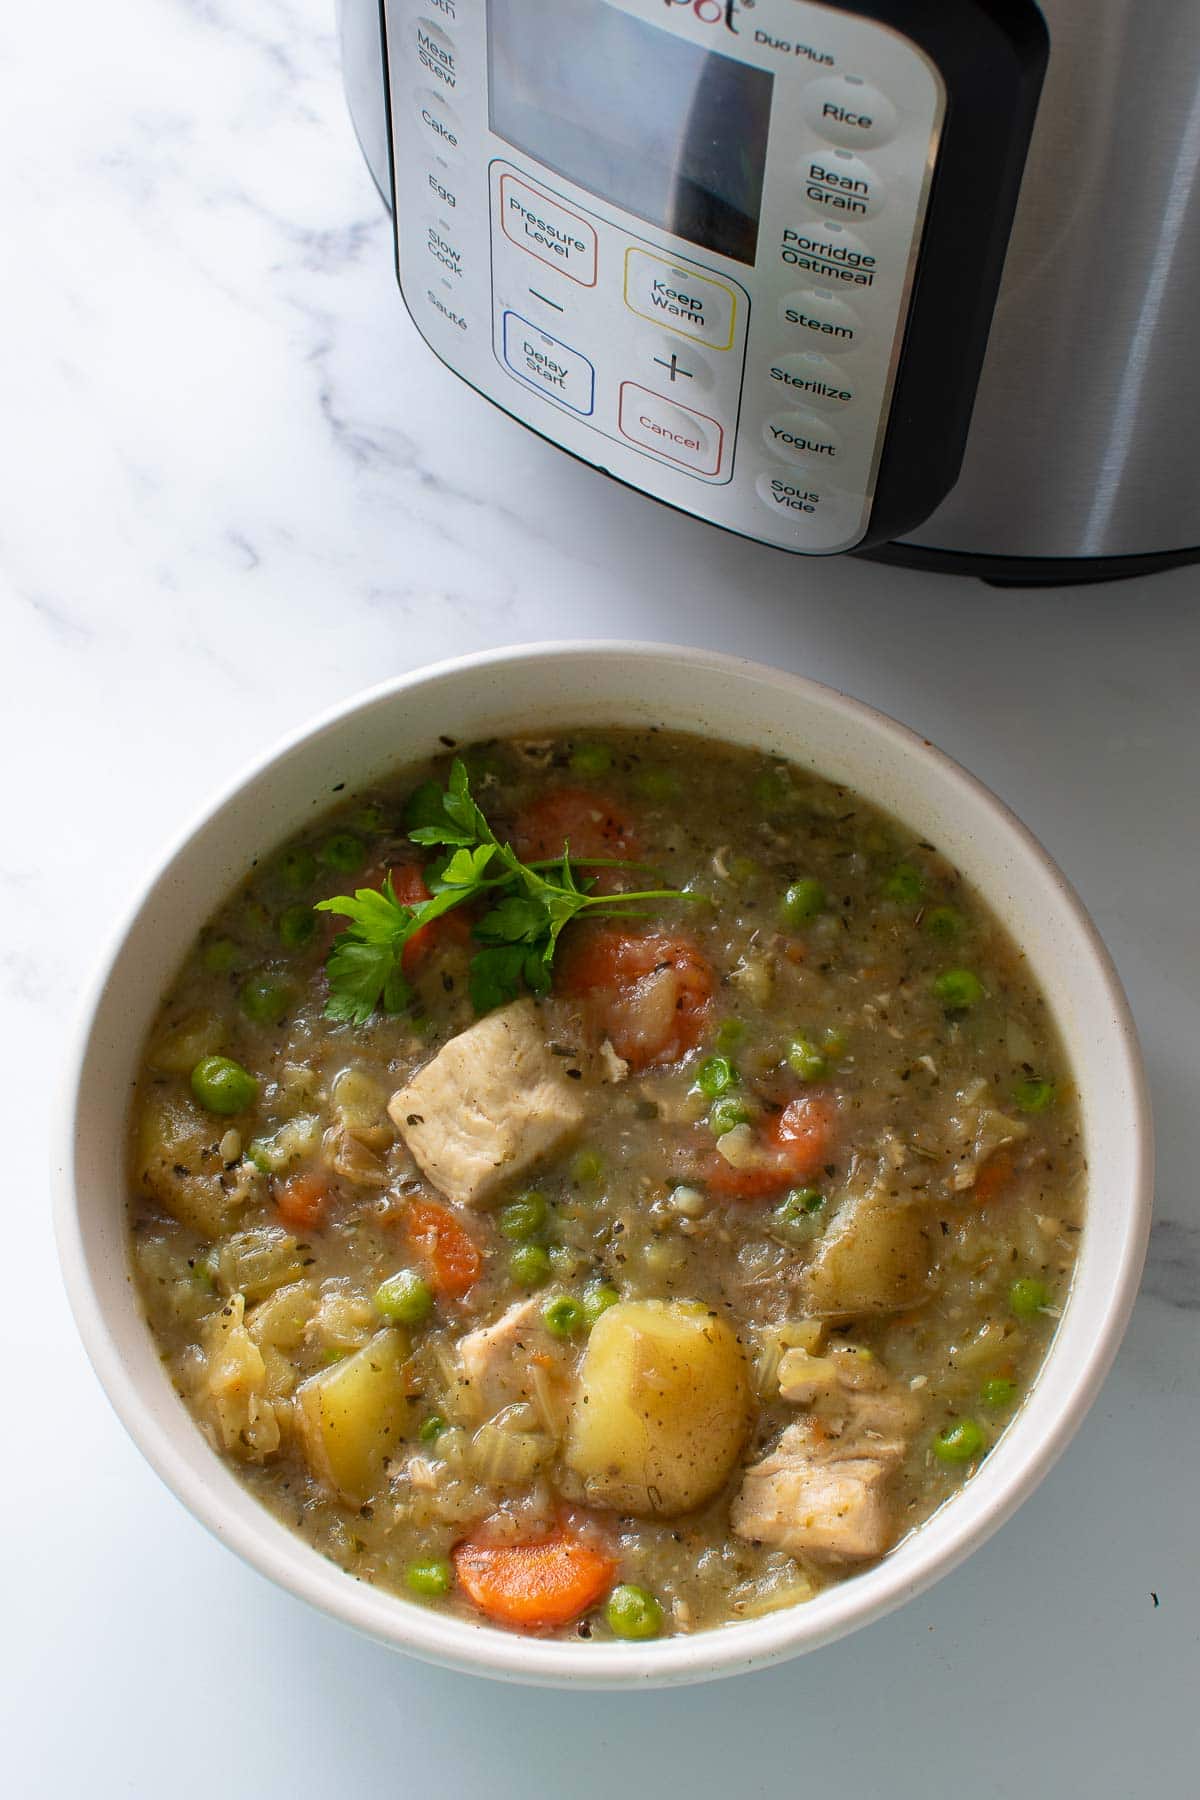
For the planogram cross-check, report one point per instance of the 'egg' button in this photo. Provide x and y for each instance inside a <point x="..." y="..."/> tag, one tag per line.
<point x="802" y="437"/>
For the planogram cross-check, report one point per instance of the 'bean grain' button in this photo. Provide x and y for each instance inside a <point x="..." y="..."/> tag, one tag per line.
<point x="849" y="112"/>
<point x="802" y="437"/>
<point x="841" y="185"/>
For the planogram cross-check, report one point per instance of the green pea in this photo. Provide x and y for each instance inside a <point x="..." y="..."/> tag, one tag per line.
<point x="204" y="1272"/>
<point x="904" y="885"/>
<point x="220" y="956"/>
<point x="997" y="1392"/>
<point x="431" y="1428"/>
<point x="431" y="1579"/>
<point x="587" y="1168"/>
<point x="726" y="1113"/>
<point x="656" y="785"/>
<point x="563" y="1316"/>
<point x="598" y="1296"/>
<point x="961" y="1442"/>
<point x="529" y="1266"/>
<point x="943" y="922"/>
<point x="1034" y="1095"/>
<point x="369" y="819"/>
<point x="223" y="1086"/>
<point x="265" y="1000"/>
<point x="834" y="1043"/>
<point x="522" y="1218"/>
<point x="957" y="989"/>
<point x="715" y="1075"/>
<point x="798" y="1217"/>
<point x="297" y="926"/>
<point x="773" y="791"/>
<point x="297" y="868"/>
<point x="633" y="1612"/>
<point x="730" y="1033"/>
<point x="343" y="852"/>
<point x="1028" y="1296"/>
<point x="403" y="1299"/>
<point x="805" y="1060"/>
<point x="591" y="759"/>
<point x="742" y="869"/>
<point x="802" y="902"/>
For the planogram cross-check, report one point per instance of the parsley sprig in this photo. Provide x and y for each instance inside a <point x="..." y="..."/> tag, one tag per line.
<point x="530" y="904"/>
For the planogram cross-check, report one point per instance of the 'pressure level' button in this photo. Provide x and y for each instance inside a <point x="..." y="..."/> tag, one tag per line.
<point x="802" y="437"/>
<point x="848" y="111"/>
<point x="820" y="322"/>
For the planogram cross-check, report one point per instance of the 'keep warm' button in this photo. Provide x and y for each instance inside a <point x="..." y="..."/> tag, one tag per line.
<point x="680" y="299"/>
<point x="676" y="432"/>
<point x="548" y="364"/>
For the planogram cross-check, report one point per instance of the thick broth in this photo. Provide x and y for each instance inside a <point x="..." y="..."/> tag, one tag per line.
<point x="946" y="1100"/>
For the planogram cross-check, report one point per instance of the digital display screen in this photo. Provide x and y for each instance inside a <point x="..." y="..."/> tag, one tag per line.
<point x="670" y="132"/>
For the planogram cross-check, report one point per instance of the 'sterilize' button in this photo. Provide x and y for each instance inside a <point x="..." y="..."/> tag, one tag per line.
<point x="548" y="230"/>
<point x="676" y="432"/>
<point x="807" y="375"/>
<point x="546" y="363"/>
<point x="680" y="298"/>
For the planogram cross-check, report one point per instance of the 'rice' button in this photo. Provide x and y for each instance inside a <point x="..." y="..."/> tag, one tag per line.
<point x="848" y="111"/>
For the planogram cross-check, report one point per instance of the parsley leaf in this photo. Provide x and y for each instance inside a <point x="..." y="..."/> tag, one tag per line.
<point x="529" y="908"/>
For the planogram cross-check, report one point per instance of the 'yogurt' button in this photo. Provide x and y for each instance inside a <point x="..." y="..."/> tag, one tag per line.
<point x="821" y="321"/>
<point x="802" y="437"/>
<point x="808" y="376"/>
<point x="848" y="111"/>
<point x="441" y="126"/>
<point x="841" y="185"/>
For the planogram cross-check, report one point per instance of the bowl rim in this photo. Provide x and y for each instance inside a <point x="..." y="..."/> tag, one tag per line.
<point x="284" y="1557"/>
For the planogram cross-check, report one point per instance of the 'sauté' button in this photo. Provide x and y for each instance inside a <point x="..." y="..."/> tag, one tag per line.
<point x="676" y="432"/>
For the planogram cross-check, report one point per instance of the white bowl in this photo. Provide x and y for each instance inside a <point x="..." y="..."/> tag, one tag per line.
<point x="539" y="688"/>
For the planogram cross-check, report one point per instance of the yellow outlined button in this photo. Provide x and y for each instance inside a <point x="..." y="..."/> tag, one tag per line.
<point x="680" y="299"/>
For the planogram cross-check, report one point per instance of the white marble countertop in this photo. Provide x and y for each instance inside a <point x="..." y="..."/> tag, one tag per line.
<point x="236" y="488"/>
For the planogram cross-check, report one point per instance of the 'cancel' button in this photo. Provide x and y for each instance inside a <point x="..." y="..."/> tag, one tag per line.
<point x="676" y="432"/>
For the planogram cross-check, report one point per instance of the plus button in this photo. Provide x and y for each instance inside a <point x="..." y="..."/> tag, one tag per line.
<point x="674" y="368"/>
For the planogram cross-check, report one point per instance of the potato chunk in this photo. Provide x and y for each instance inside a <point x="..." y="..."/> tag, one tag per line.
<point x="874" y="1259"/>
<point x="351" y="1416"/>
<point x="178" y="1165"/>
<point x="662" y="1408"/>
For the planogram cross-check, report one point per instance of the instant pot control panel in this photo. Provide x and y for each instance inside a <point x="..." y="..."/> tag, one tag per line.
<point x="677" y="237"/>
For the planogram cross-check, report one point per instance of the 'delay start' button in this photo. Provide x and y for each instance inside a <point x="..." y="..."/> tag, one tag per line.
<point x="680" y="298"/>
<point x="548" y="230"/>
<point x="676" y="432"/>
<point x="820" y="322"/>
<point x="547" y="364"/>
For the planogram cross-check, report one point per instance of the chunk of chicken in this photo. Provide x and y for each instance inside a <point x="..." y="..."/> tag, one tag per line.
<point x="810" y="1498"/>
<point x="823" y="1491"/>
<point x="493" y="1102"/>
<point x="513" y="1361"/>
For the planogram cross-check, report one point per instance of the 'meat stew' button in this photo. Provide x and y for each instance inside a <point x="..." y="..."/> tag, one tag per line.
<point x="676" y="432"/>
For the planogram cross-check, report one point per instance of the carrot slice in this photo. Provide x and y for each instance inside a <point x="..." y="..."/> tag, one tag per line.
<point x="995" y="1175"/>
<point x="590" y="823"/>
<point x="302" y="1202"/>
<point x="408" y="885"/>
<point x="447" y="1247"/>
<point x="649" y="992"/>
<point x="795" y="1144"/>
<point x="533" y="1586"/>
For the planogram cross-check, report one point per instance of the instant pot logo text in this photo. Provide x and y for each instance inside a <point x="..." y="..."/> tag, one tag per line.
<point x="713" y="12"/>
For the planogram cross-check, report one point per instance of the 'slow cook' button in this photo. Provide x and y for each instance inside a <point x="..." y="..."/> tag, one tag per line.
<point x="821" y="321"/>
<point x="847" y="111"/>
<point x="676" y="432"/>
<point x="802" y="437"/>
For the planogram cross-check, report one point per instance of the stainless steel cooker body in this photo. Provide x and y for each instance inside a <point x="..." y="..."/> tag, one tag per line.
<point x="1083" y="455"/>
